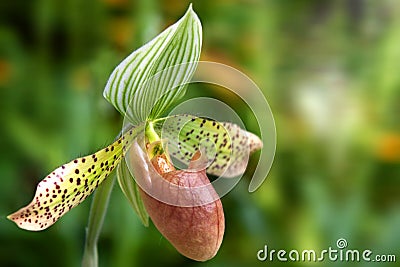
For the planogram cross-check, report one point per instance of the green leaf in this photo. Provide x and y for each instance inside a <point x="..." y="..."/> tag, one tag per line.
<point x="70" y="184"/>
<point x="131" y="190"/>
<point x="150" y="79"/>
<point x="226" y="145"/>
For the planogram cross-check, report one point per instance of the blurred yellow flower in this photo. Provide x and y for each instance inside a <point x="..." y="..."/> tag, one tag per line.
<point x="389" y="147"/>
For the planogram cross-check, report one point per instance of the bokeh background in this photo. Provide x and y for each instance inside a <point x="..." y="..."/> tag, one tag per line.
<point x="329" y="69"/>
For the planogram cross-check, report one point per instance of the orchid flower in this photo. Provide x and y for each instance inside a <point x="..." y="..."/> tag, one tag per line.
<point x="140" y="89"/>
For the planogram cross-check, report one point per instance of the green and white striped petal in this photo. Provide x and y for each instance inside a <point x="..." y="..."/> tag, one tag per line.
<point x="131" y="190"/>
<point x="150" y="79"/>
<point x="227" y="146"/>
<point x="69" y="185"/>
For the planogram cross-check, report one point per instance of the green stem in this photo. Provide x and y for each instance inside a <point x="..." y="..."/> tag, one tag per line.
<point x="98" y="211"/>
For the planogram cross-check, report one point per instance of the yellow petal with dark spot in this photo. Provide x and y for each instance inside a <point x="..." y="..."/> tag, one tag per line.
<point x="69" y="185"/>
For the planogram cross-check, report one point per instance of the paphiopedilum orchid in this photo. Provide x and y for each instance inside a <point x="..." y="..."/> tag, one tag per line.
<point x="182" y="203"/>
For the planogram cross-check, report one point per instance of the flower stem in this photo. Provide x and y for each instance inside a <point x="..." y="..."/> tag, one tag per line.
<point x="98" y="211"/>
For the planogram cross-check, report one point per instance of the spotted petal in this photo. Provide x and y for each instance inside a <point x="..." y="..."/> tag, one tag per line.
<point x="69" y="185"/>
<point x="227" y="145"/>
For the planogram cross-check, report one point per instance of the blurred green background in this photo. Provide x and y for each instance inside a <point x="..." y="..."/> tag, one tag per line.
<point x="329" y="69"/>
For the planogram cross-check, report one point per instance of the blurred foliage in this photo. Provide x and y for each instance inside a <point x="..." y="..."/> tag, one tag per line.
<point x="329" y="70"/>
